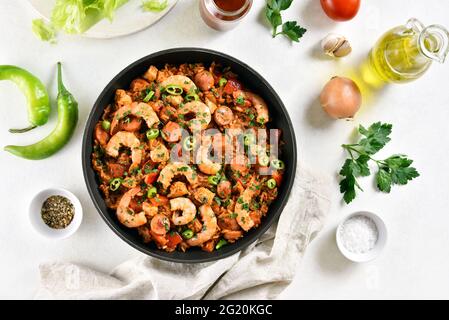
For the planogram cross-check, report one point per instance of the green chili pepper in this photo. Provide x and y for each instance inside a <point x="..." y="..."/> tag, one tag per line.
<point x="152" y="134"/>
<point x="35" y="92"/>
<point x="115" y="184"/>
<point x="213" y="180"/>
<point x="174" y="90"/>
<point x="189" y="143"/>
<point x="148" y="96"/>
<point x="61" y="134"/>
<point x="249" y="139"/>
<point x="271" y="184"/>
<point x="278" y="164"/>
<point x="264" y="160"/>
<point x="187" y="234"/>
<point x="152" y="192"/>
<point x="222" y="82"/>
<point x="192" y="97"/>
<point x="220" y="244"/>
<point x="106" y="125"/>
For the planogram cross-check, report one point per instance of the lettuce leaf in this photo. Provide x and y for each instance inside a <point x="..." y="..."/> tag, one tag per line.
<point x="44" y="30"/>
<point x="77" y="16"/>
<point x="154" y="5"/>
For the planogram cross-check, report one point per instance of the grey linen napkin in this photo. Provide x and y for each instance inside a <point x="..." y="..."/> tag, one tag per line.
<point x="261" y="271"/>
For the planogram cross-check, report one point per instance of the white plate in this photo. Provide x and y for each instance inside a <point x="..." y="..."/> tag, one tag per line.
<point x="129" y="18"/>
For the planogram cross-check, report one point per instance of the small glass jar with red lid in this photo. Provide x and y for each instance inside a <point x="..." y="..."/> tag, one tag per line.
<point x="224" y="14"/>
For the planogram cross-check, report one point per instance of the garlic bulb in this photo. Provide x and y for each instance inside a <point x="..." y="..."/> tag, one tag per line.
<point x="336" y="46"/>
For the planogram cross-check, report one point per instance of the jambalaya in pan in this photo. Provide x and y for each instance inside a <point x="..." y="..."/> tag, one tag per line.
<point x="184" y="156"/>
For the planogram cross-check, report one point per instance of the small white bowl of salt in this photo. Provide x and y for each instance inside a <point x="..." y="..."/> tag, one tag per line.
<point x="361" y="236"/>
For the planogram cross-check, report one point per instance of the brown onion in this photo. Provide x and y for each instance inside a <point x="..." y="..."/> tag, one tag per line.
<point x="341" y="98"/>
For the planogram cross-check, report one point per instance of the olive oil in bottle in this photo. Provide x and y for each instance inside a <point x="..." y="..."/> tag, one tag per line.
<point x="405" y="53"/>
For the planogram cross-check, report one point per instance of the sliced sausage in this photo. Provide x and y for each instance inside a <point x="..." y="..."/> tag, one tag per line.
<point x="100" y="135"/>
<point x="204" y="80"/>
<point x="223" y="116"/>
<point x="224" y="189"/>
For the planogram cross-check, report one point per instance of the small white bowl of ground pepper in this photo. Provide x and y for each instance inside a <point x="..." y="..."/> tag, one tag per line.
<point x="55" y="213"/>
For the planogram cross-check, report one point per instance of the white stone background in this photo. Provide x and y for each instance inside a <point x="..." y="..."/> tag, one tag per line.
<point x="415" y="262"/>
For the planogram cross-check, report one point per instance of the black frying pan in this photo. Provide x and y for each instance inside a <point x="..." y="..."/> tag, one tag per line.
<point x="252" y="80"/>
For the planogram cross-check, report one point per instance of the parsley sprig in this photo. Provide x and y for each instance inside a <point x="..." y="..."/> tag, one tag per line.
<point x="394" y="170"/>
<point x="290" y="29"/>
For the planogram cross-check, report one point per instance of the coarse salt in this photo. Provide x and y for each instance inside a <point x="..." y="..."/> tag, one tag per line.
<point x="359" y="234"/>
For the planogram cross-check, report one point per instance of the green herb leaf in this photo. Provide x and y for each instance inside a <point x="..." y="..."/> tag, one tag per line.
<point x="293" y="31"/>
<point x="395" y="170"/>
<point x="274" y="17"/>
<point x="273" y="13"/>
<point x="376" y="137"/>
<point x="383" y="180"/>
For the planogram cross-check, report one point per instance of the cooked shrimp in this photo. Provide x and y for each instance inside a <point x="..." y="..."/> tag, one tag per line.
<point x="232" y="236"/>
<point x="160" y="153"/>
<point x="160" y="224"/>
<point x="187" y="208"/>
<point x="151" y="74"/>
<point x="204" y="195"/>
<point x="171" y="132"/>
<point x="240" y="164"/>
<point x="174" y="168"/>
<point x="201" y="115"/>
<point x="146" y="112"/>
<point x="209" y="227"/>
<point x="205" y="164"/>
<point x="127" y="139"/>
<point x="139" y="110"/>
<point x="224" y="189"/>
<point x="178" y="189"/>
<point x="260" y="106"/>
<point x="184" y="82"/>
<point x="242" y="206"/>
<point x="204" y="80"/>
<point x="126" y="215"/>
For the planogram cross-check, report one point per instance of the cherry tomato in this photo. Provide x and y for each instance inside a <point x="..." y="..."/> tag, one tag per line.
<point x="173" y="239"/>
<point x="231" y="86"/>
<point x="151" y="177"/>
<point x="340" y="10"/>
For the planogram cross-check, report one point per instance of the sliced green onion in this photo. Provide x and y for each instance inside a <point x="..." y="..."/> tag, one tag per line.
<point x="264" y="160"/>
<point x="189" y="143"/>
<point x="174" y="90"/>
<point x="152" y="192"/>
<point x="106" y="125"/>
<point x="152" y="134"/>
<point x="187" y="234"/>
<point x="220" y="244"/>
<point x="213" y="180"/>
<point x="222" y="82"/>
<point x="115" y="184"/>
<point x="192" y="97"/>
<point x="148" y="96"/>
<point x="278" y="164"/>
<point x="271" y="184"/>
<point x="249" y="139"/>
